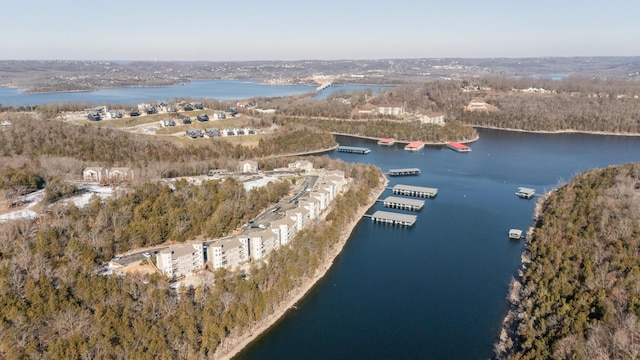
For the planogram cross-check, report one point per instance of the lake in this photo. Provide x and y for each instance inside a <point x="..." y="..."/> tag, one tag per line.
<point x="197" y="89"/>
<point x="436" y="290"/>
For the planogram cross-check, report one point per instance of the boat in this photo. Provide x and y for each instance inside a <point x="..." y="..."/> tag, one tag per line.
<point x="386" y="142"/>
<point x="414" y="146"/>
<point x="515" y="234"/>
<point x="458" y="147"/>
<point x="525" y="193"/>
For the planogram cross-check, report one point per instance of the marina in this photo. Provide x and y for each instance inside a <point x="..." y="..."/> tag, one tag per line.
<point x="458" y="147"/>
<point x="525" y="193"/>
<point x="515" y="234"/>
<point x="354" y="149"/>
<point x="386" y="142"/>
<point x="414" y="146"/>
<point x="455" y="260"/>
<point x="404" y="172"/>
<point x="403" y="203"/>
<point x="417" y="191"/>
<point x="388" y="217"/>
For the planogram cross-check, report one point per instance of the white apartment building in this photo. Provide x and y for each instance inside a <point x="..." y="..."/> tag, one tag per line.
<point x="228" y="253"/>
<point x="180" y="260"/>
<point x="261" y="243"/>
<point x="285" y="228"/>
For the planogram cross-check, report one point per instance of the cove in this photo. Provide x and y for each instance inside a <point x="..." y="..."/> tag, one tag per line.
<point x="436" y="290"/>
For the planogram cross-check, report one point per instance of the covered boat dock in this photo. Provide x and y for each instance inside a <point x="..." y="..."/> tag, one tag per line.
<point x="417" y="191"/>
<point x="403" y="172"/>
<point x="515" y="234"/>
<point x="388" y="217"/>
<point x="525" y="193"/>
<point x="403" y="203"/>
<point x="458" y="147"/>
<point x="354" y="149"/>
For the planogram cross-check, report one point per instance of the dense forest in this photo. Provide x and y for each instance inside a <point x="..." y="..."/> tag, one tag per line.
<point x="54" y="305"/>
<point x="570" y="104"/>
<point x="579" y="293"/>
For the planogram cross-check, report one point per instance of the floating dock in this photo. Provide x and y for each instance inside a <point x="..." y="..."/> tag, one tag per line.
<point x="414" y="146"/>
<point x="418" y="191"/>
<point x="404" y="172"/>
<point x="515" y="234"/>
<point x="354" y="149"/>
<point x="525" y="193"/>
<point x="388" y="217"/>
<point x="403" y="203"/>
<point x="458" y="147"/>
<point x="386" y="142"/>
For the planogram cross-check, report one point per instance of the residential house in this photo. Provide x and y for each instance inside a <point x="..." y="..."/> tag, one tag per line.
<point x="219" y="115"/>
<point x="167" y="122"/>
<point x="301" y="165"/>
<point x="180" y="260"/>
<point x="435" y="118"/>
<point x="194" y="133"/>
<point x="120" y="174"/>
<point x="390" y="109"/>
<point x="212" y="132"/>
<point x="249" y="166"/>
<point x="94" y="174"/>
<point x="367" y="109"/>
<point x="229" y="253"/>
<point x="114" y="114"/>
<point x="476" y="105"/>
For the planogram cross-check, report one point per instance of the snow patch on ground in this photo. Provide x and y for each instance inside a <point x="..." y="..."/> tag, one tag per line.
<point x="36" y="197"/>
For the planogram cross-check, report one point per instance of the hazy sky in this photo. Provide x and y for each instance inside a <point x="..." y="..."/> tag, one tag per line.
<point x="329" y="29"/>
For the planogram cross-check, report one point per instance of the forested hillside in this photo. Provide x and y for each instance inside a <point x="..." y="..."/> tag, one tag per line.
<point x="569" y="104"/>
<point x="54" y="305"/>
<point x="411" y="131"/>
<point x="579" y="295"/>
<point x="53" y="147"/>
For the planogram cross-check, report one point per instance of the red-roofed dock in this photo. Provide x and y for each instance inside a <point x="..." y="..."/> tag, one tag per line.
<point x="458" y="147"/>
<point x="414" y="146"/>
<point x="386" y="142"/>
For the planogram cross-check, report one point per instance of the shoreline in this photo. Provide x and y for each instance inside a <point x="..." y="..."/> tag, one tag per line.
<point x="238" y="344"/>
<point x="569" y="131"/>
<point x="507" y="337"/>
<point x="474" y="139"/>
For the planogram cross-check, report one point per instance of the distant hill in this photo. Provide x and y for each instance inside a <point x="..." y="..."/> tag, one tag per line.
<point x="77" y="75"/>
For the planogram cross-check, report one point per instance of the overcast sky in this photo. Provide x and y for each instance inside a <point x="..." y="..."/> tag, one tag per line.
<point x="329" y="29"/>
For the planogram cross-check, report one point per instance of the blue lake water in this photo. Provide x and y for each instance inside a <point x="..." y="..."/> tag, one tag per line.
<point x="437" y="290"/>
<point x="197" y="89"/>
